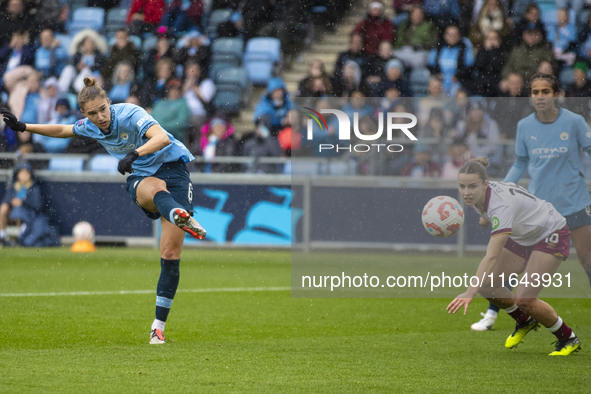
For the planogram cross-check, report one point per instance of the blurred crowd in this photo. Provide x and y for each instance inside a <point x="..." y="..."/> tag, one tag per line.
<point x="458" y="64"/>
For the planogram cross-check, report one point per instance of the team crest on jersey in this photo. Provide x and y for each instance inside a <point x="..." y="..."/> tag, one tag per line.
<point x="589" y="134"/>
<point x="124" y="136"/>
<point x="564" y="136"/>
<point x="495" y="223"/>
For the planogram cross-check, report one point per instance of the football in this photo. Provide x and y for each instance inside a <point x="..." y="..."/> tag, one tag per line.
<point x="83" y="231"/>
<point x="443" y="216"/>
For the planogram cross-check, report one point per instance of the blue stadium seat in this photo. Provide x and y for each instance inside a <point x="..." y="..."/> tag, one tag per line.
<point x="115" y="20"/>
<point x="103" y="163"/>
<point x="87" y="17"/>
<point x="234" y="76"/>
<point x="216" y="17"/>
<point x="66" y="164"/>
<point x="228" y="99"/>
<point x="261" y="57"/>
<point x="227" y="50"/>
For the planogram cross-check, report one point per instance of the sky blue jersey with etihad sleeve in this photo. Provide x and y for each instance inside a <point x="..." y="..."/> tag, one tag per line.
<point x="552" y="154"/>
<point x="129" y="124"/>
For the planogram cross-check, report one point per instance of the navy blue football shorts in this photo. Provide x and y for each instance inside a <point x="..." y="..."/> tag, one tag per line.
<point x="178" y="183"/>
<point x="579" y="219"/>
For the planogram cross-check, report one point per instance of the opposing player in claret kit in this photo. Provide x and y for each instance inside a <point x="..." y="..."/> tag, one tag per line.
<point x="159" y="182"/>
<point x="549" y="146"/>
<point x="527" y="236"/>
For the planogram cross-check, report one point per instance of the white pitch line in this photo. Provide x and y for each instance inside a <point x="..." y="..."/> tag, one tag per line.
<point x="153" y="291"/>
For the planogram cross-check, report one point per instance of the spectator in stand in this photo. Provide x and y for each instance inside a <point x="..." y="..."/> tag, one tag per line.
<point x="492" y="17"/>
<point x="217" y="140"/>
<point x="351" y="79"/>
<point x="435" y="99"/>
<point x="276" y="103"/>
<point x="50" y="57"/>
<point x="391" y="96"/>
<point x="438" y="133"/>
<point x="63" y="115"/>
<point x="375" y="71"/>
<point x="478" y="125"/>
<point x="490" y="60"/>
<point x="23" y="85"/>
<point x="123" y="50"/>
<point x="578" y="92"/>
<point x="262" y="144"/>
<point x="452" y="60"/>
<point x="414" y="38"/>
<point x="153" y="89"/>
<point x="144" y="16"/>
<point x="510" y="107"/>
<point x="525" y="58"/>
<point x="290" y="137"/>
<point x="198" y="91"/>
<point x="421" y="166"/>
<point x="394" y="75"/>
<point x="401" y="7"/>
<point x="530" y="18"/>
<point x="563" y="38"/>
<point x="375" y="28"/>
<point x="49" y="97"/>
<point x="257" y="15"/>
<point x="15" y="18"/>
<point x="122" y="84"/>
<point x="194" y="46"/>
<point x="162" y="50"/>
<point x="458" y="154"/>
<point x="87" y="49"/>
<point x="355" y="53"/>
<point x="317" y="82"/>
<point x="23" y="204"/>
<point x="180" y="16"/>
<point x="233" y="27"/>
<point x="442" y="13"/>
<point x="19" y="52"/>
<point x="172" y="112"/>
<point x="52" y="15"/>
<point x="456" y="109"/>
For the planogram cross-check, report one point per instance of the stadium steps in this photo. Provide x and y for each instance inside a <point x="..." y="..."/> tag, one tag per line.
<point x="326" y="47"/>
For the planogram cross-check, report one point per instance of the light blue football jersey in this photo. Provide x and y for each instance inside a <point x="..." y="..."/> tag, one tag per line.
<point x="554" y="153"/>
<point x="129" y="124"/>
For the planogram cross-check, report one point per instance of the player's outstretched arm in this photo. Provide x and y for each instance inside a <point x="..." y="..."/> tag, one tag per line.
<point x="50" y="130"/>
<point x="494" y="248"/>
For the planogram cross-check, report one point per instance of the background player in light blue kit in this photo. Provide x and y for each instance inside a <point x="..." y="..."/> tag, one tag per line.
<point x="549" y="145"/>
<point x="159" y="183"/>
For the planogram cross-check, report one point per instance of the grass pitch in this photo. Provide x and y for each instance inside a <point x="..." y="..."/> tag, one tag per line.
<point x="79" y="323"/>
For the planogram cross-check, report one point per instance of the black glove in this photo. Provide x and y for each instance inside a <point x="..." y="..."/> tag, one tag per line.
<point x="125" y="163"/>
<point x="12" y="122"/>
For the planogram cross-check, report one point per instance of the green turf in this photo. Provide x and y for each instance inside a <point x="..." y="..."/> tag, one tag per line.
<point x="253" y="341"/>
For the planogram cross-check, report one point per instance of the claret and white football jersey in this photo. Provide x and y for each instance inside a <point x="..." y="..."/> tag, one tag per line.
<point x="511" y="209"/>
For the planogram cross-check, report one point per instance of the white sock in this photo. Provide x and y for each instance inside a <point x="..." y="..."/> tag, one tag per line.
<point x="512" y="308"/>
<point x="556" y="325"/>
<point x="491" y="313"/>
<point x="158" y="325"/>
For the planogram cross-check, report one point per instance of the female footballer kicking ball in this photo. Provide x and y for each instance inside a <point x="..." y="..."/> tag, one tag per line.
<point x="528" y="235"/>
<point x="159" y="182"/>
